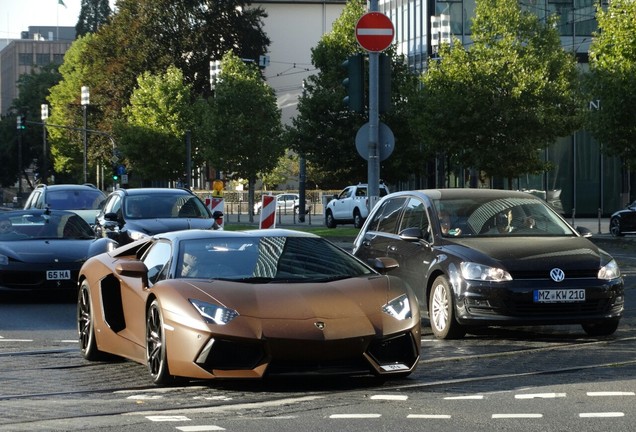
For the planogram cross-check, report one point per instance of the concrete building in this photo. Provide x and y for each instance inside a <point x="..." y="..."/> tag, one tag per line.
<point x="38" y="47"/>
<point x="294" y="27"/>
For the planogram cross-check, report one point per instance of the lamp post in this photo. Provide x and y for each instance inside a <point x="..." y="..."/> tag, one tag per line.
<point x="85" y="102"/>
<point x="44" y="114"/>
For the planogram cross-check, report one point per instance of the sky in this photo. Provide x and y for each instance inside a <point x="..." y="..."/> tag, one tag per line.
<point x="17" y="15"/>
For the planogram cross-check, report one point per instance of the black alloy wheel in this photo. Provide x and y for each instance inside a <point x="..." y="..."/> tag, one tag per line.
<point x="615" y="227"/>
<point x="86" y="324"/>
<point x="156" y="357"/>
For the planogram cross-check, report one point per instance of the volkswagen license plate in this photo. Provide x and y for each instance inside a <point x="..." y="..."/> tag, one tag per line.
<point x="559" y="296"/>
<point x="58" y="274"/>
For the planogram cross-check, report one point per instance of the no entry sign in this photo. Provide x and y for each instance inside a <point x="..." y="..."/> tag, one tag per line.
<point x="374" y="31"/>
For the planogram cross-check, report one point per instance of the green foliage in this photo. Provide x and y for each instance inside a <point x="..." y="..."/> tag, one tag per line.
<point x="324" y="127"/>
<point x="153" y="134"/>
<point x="247" y="122"/>
<point x="110" y="60"/>
<point x="612" y="80"/>
<point x="496" y="104"/>
<point x="93" y="14"/>
<point x="67" y="146"/>
<point x="32" y="91"/>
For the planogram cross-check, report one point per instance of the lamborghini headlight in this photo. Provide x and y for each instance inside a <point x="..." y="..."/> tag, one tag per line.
<point x="480" y="272"/>
<point x="399" y="308"/>
<point x="214" y="314"/>
<point x="609" y="271"/>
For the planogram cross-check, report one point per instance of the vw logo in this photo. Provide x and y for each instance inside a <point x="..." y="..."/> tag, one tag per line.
<point x="557" y="274"/>
<point x="320" y="325"/>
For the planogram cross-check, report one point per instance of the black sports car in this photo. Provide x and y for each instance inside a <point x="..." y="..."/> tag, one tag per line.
<point x="43" y="250"/>
<point x="623" y="221"/>
<point x="477" y="257"/>
<point x="133" y="214"/>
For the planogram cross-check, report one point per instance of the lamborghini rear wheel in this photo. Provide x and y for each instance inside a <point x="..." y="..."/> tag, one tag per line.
<point x="156" y="356"/>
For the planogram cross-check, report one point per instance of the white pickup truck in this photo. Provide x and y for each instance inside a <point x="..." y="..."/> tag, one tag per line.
<point x="350" y="206"/>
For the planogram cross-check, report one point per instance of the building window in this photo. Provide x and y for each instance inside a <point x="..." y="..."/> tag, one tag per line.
<point x="42" y="59"/>
<point x="58" y="58"/>
<point x="25" y="59"/>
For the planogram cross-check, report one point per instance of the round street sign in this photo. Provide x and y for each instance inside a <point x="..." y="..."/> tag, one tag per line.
<point x="386" y="140"/>
<point x="374" y="31"/>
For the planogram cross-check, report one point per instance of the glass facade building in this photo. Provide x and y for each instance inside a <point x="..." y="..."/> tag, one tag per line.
<point x="582" y="181"/>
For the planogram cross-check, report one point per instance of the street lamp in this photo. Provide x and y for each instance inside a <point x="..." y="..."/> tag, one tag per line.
<point x="85" y="102"/>
<point x="44" y="114"/>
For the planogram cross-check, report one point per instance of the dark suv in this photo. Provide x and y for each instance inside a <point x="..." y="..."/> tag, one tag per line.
<point x="85" y="200"/>
<point x="132" y="214"/>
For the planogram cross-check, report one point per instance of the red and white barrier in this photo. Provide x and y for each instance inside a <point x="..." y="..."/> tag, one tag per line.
<point x="216" y="204"/>
<point x="268" y="212"/>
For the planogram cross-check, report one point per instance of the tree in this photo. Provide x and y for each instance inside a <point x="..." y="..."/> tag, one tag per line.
<point x="93" y="14"/>
<point x="32" y="91"/>
<point x="247" y="123"/>
<point x="152" y="138"/>
<point x="146" y="36"/>
<point x="67" y="149"/>
<point x="494" y="105"/>
<point x="324" y="127"/>
<point x="612" y="80"/>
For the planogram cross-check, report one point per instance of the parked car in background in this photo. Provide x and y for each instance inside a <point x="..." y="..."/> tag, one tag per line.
<point x="623" y="221"/>
<point x="479" y="257"/>
<point x="85" y="199"/>
<point x="350" y="206"/>
<point x="133" y="214"/>
<point x="208" y="304"/>
<point x="286" y="203"/>
<point x="43" y="250"/>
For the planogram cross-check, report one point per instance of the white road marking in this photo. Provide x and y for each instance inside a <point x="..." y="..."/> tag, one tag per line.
<point x="540" y="396"/>
<point x="199" y="428"/>
<point x="390" y="397"/>
<point x="222" y="398"/>
<point x="168" y="418"/>
<point x="230" y="408"/>
<point x="516" y="416"/>
<point x="611" y="393"/>
<point x="354" y="416"/>
<point x="602" y="415"/>
<point x="15" y="340"/>
<point x="428" y="416"/>
<point x="471" y="397"/>
<point x="144" y="397"/>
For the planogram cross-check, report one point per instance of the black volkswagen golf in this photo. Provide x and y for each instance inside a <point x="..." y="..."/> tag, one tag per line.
<point x="480" y="257"/>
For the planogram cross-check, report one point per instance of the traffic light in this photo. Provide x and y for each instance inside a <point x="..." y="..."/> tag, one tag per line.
<point x="21" y="120"/>
<point x="354" y="83"/>
<point x="115" y="173"/>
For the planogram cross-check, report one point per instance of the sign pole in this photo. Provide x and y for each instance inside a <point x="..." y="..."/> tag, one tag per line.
<point x="374" y="32"/>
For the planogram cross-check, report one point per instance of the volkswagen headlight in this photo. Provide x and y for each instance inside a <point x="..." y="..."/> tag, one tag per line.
<point x="609" y="271"/>
<point x="480" y="272"/>
<point x="214" y="314"/>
